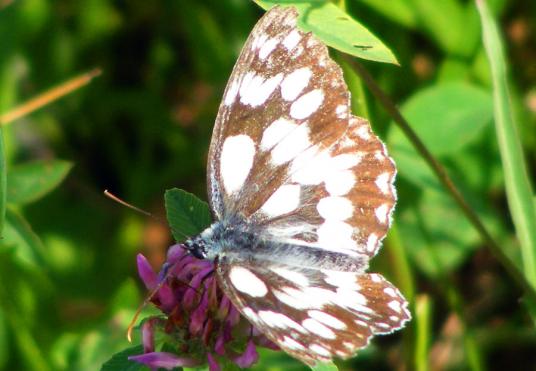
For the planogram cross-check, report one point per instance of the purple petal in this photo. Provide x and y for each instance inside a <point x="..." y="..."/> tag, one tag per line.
<point x="225" y="305"/>
<point x="175" y="253"/>
<point x="233" y="317"/>
<point x="249" y="357"/>
<point x="188" y="299"/>
<point x="198" y="316"/>
<point x="212" y="364"/>
<point x="167" y="298"/>
<point x="163" y="360"/>
<point x="219" y="347"/>
<point x="146" y="272"/>
<point x="147" y="334"/>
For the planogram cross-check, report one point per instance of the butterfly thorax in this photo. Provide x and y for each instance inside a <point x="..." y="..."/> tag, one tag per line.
<point x="234" y="239"/>
<point x="222" y="237"/>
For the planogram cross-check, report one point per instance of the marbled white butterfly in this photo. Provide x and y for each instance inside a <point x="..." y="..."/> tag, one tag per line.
<point x="303" y="193"/>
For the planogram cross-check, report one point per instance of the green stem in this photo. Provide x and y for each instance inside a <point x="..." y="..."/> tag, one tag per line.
<point x="400" y="263"/>
<point x="422" y="339"/>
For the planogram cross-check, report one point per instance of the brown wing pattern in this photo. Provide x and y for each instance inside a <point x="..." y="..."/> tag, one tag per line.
<point x="286" y="151"/>
<point x="314" y="315"/>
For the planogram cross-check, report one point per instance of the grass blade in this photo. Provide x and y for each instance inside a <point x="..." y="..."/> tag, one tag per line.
<point x="3" y="183"/>
<point x="518" y="188"/>
<point x="424" y="331"/>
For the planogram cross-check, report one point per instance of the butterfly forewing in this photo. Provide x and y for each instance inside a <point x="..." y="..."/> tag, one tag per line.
<point x="287" y="152"/>
<point x="281" y="96"/>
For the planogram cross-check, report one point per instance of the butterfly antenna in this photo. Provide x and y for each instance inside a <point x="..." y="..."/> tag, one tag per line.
<point x="147" y="300"/>
<point x="124" y="203"/>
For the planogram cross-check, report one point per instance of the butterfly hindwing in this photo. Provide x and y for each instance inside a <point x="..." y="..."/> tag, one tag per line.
<point x="313" y="315"/>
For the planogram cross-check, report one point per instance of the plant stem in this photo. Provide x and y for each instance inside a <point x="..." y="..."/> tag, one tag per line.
<point x="48" y="96"/>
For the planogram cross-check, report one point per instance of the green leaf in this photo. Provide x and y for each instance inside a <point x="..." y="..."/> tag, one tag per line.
<point x="328" y="366"/>
<point x="437" y="236"/>
<point x="31" y="181"/>
<point x="400" y="11"/>
<point x="18" y="233"/>
<point x="336" y="29"/>
<point x="3" y="183"/>
<point x="518" y="187"/>
<point x="120" y="362"/>
<point x="450" y="24"/>
<point x="187" y="215"/>
<point x="447" y="117"/>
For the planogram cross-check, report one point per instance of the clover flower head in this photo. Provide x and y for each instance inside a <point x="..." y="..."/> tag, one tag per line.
<point x="199" y="324"/>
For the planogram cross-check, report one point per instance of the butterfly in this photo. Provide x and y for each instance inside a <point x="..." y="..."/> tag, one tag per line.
<point x="302" y="193"/>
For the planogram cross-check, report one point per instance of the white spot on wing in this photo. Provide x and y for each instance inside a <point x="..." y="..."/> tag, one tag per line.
<point x="320" y="350"/>
<point x="353" y="300"/>
<point x="305" y="298"/>
<point x="395" y="305"/>
<point x="335" y="208"/>
<point x="291" y="344"/>
<point x="363" y="132"/>
<point x="236" y="160"/>
<point x="307" y="104"/>
<point x="267" y="48"/>
<point x="375" y="277"/>
<point x="327" y="319"/>
<point x="231" y="92"/>
<point x="248" y="283"/>
<point x="372" y="242"/>
<point x="382" y="182"/>
<point x="344" y="280"/>
<point x="340" y="183"/>
<point x="317" y="328"/>
<point x="275" y="132"/>
<point x="284" y="200"/>
<point x="341" y="111"/>
<point x="390" y="291"/>
<point x="291" y="40"/>
<point x="294" y="83"/>
<point x="335" y="235"/>
<point x="291" y="145"/>
<point x="293" y="276"/>
<point x="274" y="319"/>
<point x="256" y="90"/>
<point x="382" y="213"/>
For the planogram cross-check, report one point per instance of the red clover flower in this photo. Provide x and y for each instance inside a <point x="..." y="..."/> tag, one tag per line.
<point x="199" y="323"/>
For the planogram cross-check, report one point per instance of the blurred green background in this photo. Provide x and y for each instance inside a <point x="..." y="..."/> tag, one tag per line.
<point x="68" y="285"/>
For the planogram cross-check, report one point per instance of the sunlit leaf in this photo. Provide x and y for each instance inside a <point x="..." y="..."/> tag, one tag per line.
<point x="337" y="29"/>
<point x="447" y="117"/>
<point x="187" y="215"/>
